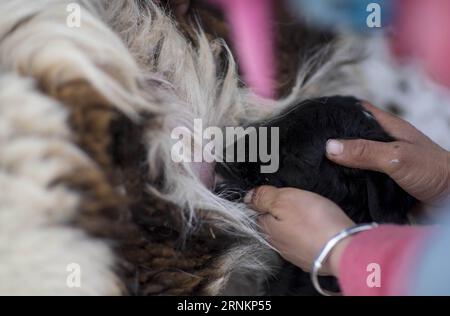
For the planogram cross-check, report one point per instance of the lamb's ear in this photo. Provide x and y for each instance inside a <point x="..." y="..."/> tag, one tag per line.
<point x="388" y="203"/>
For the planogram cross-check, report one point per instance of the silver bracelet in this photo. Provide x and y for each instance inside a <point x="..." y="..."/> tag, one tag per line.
<point x="317" y="265"/>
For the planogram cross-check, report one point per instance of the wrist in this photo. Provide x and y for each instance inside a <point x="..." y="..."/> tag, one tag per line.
<point x="336" y="254"/>
<point x="332" y="252"/>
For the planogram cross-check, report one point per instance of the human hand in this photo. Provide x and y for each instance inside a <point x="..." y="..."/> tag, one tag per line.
<point x="417" y="164"/>
<point x="299" y="223"/>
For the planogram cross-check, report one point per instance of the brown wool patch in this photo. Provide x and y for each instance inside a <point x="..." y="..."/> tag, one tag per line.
<point x="146" y="233"/>
<point x="90" y="119"/>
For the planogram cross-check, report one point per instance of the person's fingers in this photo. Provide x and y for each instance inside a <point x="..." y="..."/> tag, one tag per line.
<point x="262" y="198"/>
<point x="366" y="154"/>
<point x="393" y="125"/>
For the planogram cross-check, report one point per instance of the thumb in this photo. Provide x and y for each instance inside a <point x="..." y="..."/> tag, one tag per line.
<point x="361" y="153"/>
<point x="262" y="198"/>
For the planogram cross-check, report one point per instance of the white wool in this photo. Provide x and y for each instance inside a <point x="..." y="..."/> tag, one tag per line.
<point x="36" y="41"/>
<point x="193" y="90"/>
<point x="36" y="261"/>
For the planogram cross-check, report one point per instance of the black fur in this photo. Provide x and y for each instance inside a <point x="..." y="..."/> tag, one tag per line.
<point x="365" y="196"/>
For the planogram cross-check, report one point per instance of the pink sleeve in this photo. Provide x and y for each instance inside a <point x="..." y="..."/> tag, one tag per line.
<point x="380" y="261"/>
<point x="253" y="38"/>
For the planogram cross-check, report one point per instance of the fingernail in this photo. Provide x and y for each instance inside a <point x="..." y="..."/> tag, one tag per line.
<point x="334" y="147"/>
<point x="248" y="197"/>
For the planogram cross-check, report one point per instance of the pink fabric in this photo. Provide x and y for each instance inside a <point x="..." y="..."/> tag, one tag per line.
<point x="393" y="248"/>
<point x="422" y="30"/>
<point x="251" y="31"/>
